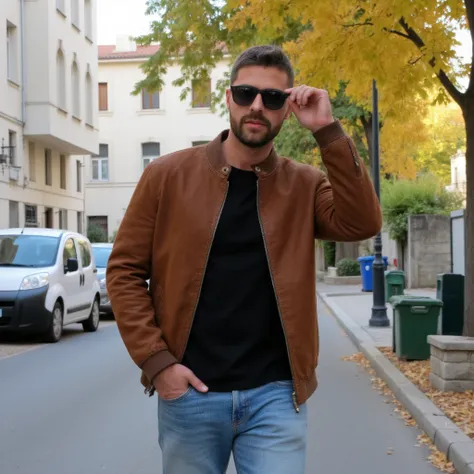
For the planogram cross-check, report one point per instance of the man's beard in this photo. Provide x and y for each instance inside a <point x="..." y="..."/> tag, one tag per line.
<point x="246" y="138"/>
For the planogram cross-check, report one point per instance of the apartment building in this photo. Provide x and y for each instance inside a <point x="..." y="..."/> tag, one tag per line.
<point x="133" y="130"/>
<point x="48" y="110"/>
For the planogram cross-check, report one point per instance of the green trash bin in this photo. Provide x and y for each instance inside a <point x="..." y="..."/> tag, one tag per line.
<point x="394" y="283"/>
<point x="415" y="318"/>
<point x="450" y="290"/>
<point x="392" y="301"/>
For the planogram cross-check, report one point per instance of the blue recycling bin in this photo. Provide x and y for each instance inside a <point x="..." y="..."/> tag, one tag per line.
<point x="366" y="264"/>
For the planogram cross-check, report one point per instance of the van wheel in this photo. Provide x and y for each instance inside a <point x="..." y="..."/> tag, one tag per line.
<point x="55" y="330"/>
<point x="92" y="322"/>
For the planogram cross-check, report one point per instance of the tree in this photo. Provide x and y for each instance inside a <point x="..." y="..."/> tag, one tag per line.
<point x="446" y="137"/>
<point x="425" y="195"/>
<point x="95" y="233"/>
<point x="403" y="198"/>
<point x="408" y="46"/>
<point x="197" y="36"/>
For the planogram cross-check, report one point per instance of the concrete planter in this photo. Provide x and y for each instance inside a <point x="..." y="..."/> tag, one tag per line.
<point x="452" y="363"/>
<point x="337" y="280"/>
<point x="332" y="272"/>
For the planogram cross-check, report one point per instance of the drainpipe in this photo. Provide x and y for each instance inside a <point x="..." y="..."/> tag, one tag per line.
<point x="23" y="75"/>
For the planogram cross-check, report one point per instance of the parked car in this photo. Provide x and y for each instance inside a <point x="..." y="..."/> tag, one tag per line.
<point x="47" y="281"/>
<point x="102" y="253"/>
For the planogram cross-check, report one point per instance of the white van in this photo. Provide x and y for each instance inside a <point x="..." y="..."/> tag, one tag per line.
<point x="47" y="281"/>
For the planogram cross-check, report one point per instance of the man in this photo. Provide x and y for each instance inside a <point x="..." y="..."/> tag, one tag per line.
<point x="227" y="333"/>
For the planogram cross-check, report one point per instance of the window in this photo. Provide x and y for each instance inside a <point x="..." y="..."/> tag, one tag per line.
<point x="103" y="96"/>
<point x="200" y="142"/>
<point x="201" y="94"/>
<point x="61" y="7"/>
<point x="150" y="101"/>
<point x="85" y="252"/>
<point x="32" y="161"/>
<point x="62" y="171"/>
<point x="31" y="216"/>
<point x="12" y="52"/>
<point x="48" y="170"/>
<point x="89" y="100"/>
<point x="14" y="214"/>
<point x="100" y="164"/>
<point x="75" y="13"/>
<point x="48" y="218"/>
<point x="88" y="19"/>
<point x="80" y="221"/>
<point x="12" y="146"/>
<point x="76" y="90"/>
<point x="78" y="176"/>
<point x="150" y="151"/>
<point x="61" y="79"/>
<point x="69" y="251"/>
<point x="63" y="219"/>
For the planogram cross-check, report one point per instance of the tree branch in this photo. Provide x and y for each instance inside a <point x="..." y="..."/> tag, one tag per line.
<point x="412" y="62"/>
<point x="442" y="76"/>
<point x="353" y="25"/>
<point x="398" y="33"/>
<point x="470" y="21"/>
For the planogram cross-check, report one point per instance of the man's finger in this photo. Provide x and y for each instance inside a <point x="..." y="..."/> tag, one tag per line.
<point x="196" y="383"/>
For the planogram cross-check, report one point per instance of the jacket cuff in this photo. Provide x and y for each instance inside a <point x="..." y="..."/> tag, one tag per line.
<point x="326" y="135"/>
<point x="157" y="363"/>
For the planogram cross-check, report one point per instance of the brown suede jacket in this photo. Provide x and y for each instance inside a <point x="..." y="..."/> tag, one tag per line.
<point x="167" y="233"/>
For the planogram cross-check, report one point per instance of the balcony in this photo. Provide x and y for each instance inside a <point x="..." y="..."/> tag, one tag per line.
<point x="59" y="130"/>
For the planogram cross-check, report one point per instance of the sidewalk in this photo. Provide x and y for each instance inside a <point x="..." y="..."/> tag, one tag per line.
<point x="358" y="305"/>
<point x="352" y="309"/>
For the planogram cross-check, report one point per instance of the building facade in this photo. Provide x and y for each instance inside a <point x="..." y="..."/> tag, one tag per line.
<point x="458" y="173"/>
<point x="135" y="129"/>
<point x="48" y="110"/>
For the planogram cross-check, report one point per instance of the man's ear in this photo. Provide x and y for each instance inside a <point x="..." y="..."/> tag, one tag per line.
<point x="288" y="113"/>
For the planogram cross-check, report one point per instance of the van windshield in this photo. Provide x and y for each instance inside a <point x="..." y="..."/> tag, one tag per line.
<point x="28" y="250"/>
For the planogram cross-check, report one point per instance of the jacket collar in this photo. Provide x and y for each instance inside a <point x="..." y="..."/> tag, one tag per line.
<point x="215" y="155"/>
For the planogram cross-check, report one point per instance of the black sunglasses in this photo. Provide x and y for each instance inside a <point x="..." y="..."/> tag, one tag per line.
<point x="272" y="99"/>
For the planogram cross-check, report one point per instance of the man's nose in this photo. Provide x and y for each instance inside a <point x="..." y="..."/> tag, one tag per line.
<point x="257" y="104"/>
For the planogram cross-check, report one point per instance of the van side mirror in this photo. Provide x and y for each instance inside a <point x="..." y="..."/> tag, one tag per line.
<point x="72" y="265"/>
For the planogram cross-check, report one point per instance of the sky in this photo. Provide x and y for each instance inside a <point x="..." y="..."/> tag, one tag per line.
<point x="121" y="17"/>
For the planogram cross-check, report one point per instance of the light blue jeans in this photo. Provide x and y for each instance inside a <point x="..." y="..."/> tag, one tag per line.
<point x="260" y="427"/>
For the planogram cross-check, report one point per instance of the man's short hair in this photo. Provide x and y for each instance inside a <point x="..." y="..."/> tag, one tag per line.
<point x="266" y="56"/>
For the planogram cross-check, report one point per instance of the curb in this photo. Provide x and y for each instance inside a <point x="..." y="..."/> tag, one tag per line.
<point x="446" y="435"/>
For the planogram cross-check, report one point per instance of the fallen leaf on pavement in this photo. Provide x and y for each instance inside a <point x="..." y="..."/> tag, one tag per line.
<point x="437" y="458"/>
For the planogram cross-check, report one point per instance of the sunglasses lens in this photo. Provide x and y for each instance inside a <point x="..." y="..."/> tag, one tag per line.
<point x="274" y="100"/>
<point x="244" y="95"/>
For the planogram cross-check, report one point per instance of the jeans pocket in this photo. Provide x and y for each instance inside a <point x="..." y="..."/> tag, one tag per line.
<point x="179" y="397"/>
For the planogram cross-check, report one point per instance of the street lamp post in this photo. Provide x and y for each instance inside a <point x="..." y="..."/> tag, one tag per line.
<point x="379" y="310"/>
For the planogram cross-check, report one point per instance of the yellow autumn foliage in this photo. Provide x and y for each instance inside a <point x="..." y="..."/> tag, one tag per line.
<point x="361" y="41"/>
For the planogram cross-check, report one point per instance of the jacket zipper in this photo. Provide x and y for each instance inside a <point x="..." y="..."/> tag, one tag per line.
<point x="355" y="159"/>
<point x="150" y="390"/>
<point x="205" y="267"/>
<point x="293" y="395"/>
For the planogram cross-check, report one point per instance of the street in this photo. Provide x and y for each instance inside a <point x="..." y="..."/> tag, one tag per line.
<point x="77" y="407"/>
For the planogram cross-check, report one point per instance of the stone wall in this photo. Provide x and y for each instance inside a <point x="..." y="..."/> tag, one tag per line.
<point x="429" y="249"/>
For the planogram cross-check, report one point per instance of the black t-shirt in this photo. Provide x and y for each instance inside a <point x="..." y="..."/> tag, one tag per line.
<point x="237" y="340"/>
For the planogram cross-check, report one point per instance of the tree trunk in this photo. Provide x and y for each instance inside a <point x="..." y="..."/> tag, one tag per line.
<point x="469" y="219"/>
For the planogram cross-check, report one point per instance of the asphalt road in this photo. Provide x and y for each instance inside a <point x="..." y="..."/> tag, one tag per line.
<point x="77" y="407"/>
